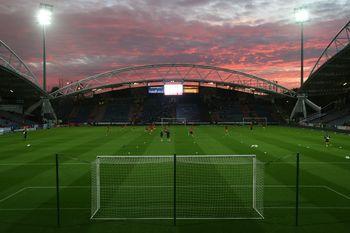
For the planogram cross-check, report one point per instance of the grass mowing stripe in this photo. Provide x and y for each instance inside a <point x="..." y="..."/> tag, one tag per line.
<point x="319" y="169"/>
<point x="280" y="178"/>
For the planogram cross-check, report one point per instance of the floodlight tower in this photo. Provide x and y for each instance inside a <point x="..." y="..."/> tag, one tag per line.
<point x="44" y="18"/>
<point x="301" y="16"/>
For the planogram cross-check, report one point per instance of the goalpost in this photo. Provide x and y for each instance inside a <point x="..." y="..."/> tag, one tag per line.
<point x="255" y="120"/>
<point x="177" y="187"/>
<point x="173" y="121"/>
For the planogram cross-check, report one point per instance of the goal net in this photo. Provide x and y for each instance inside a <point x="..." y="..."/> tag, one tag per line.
<point x="255" y="120"/>
<point x="177" y="187"/>
<point x="173" y="121"/>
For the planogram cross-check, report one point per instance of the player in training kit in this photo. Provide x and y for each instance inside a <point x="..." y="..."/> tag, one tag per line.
<point x="251" y="125"/>
<point x="161" y="135"/>
<point x="151" y="128"/>
<point x="148" y="129"/>
<point x="25" y="133"/>
<point x="191" y="132"/>
<point x="327" y="139"/>
<point x="108" y="130"/>
<point x="167" y="132"/>
<point x="226" y="130"/>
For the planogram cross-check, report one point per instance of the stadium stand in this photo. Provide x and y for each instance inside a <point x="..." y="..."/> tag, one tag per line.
<point x="19" y="90"/>
<point x="328" y="84"/>
<point x="143" y="108"/>
<point x="189" y="107"/>
<point x="117" y="110"/>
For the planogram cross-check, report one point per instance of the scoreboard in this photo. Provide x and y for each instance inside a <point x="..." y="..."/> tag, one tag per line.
<point x="173" y="89"/>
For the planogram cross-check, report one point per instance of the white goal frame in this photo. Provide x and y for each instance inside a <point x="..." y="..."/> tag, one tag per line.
<point x="174" y="119"/>
<point x="248" y="120"/>
<point x="257" y="192"/>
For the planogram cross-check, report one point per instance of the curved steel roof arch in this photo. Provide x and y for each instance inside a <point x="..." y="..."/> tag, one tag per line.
<point x="340" y="41"/>
<point x="172" y="73"/>
<point x="10" y="60"/>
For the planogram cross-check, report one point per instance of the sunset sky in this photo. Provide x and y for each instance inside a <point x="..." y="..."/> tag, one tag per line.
<point x="88" y="37"/>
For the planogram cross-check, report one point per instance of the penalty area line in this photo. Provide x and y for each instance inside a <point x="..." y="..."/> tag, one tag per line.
<point x="38" y="187"/>
<point x="39" y="164"/>
<point x="13" y="194"/>
<point x="339" y="193"/>
<point x="310" y="207"/>
<point x="31" y="209"/>
<point x="266" y="207"/>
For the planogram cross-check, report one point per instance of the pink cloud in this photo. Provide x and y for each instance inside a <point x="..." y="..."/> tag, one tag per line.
<point x="84" y="43"/>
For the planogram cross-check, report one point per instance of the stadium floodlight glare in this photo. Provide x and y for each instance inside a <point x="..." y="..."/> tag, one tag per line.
<point x="301" y="15"/>
<point x="44" y="15"/>
<point x="44" y="18"/>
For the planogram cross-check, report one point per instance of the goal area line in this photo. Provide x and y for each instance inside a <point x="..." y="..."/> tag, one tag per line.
<point x="268" y="163"/>
<point x="178" y="156"/>
<point x="88" y="208"/>
<point x="181" y="218"/>
<point x="168" y="186"/>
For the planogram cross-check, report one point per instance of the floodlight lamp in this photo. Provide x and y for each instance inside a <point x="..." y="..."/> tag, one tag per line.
<point x="301" y="15"/>
<point x="44" y="15"/>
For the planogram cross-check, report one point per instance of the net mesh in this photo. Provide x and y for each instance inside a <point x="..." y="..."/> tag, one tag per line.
<point x="133" y="187"/>
<point x="206" y="187"/>
<point x="217" y="187"/>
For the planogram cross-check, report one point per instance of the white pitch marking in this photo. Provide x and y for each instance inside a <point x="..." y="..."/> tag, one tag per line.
<point x="339" y="193"/>
<point x="309" y="207"/>
<point x="38" y="187"/>
<point x="162" y="186"/>
<point x="31" y="209"/>
<point x="266" y="207"/>
<point x="13" y="194"/>
<point x="39" y="164"/>
<point x="51" y="187"/>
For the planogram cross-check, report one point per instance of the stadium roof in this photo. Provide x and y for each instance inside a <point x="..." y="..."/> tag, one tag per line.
<point x="16" y="79"/>
<point x="159" y="74"/>
<point x="331" y="73"/>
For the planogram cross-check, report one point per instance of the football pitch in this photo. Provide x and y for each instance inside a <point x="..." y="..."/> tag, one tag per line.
<point x="28" y="192"/>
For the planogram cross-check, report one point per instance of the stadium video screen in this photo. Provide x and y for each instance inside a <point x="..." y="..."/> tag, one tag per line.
<point x="191" y="90"/>
<point x="156" y="90"/>
<point x="173" y="89"/>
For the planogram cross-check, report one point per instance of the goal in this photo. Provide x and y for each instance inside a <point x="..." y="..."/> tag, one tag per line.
<point x="177" y="187"/>
<point x="173" y="121"/>
<point x="255" y="120"/>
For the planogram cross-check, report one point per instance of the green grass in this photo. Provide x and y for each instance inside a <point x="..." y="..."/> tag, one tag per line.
<point x="27" y="177"/>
